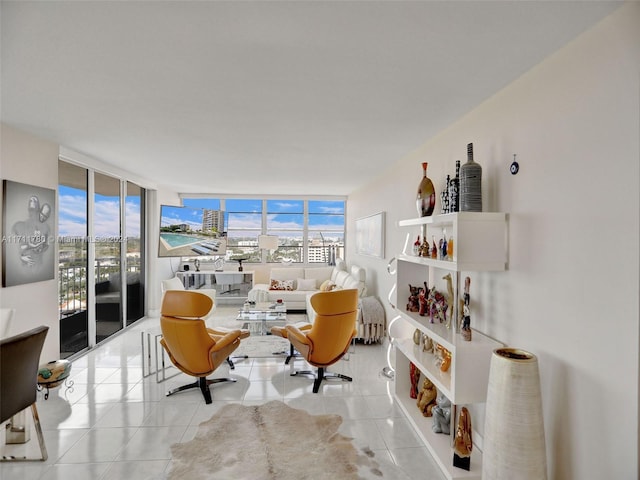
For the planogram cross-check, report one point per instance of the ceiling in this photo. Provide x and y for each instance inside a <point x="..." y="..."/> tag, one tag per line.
<point x="266" y="97"/>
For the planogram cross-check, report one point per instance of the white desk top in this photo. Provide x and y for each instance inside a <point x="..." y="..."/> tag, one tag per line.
<point x="213" y="272"/>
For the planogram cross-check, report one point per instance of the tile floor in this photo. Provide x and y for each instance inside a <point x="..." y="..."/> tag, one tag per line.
<point x="117" y="424"/>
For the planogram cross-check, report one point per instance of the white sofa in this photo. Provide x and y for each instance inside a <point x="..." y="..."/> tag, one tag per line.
<point x="306" y="281"/>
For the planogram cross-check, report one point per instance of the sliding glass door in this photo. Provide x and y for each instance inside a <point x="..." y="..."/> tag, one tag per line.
<point x="101" y="220"/>
<point x="134" y="224"/>
<point x="72" y="258"/>
<point x="108" y="242"/>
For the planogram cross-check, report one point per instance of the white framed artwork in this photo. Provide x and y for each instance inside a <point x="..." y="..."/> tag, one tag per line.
<point x="370" y="233"/>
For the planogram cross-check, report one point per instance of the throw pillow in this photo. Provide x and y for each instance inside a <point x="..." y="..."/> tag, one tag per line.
<point x="306" y="284"/>
<point x="326" y="285"/>
<point x="281" y="285"/>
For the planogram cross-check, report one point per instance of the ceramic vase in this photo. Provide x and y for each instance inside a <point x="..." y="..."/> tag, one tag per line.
<point x="514" y="445"/>
<point x="470" y="184"/>
<point x="426" y="199"/>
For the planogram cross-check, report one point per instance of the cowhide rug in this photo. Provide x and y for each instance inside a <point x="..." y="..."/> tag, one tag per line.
<point x="274" y="442"/>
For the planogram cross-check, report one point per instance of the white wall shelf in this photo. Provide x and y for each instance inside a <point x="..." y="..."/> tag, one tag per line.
<point x="479" y="240"/>
<point x="480" y="244"/>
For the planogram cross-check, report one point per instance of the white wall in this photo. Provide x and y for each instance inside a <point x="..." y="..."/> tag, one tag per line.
<point x="570" y="294"/>
<point x="30" y="160"/>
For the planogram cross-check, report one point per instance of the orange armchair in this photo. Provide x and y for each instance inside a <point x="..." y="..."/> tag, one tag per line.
<point x="193" y="348"/>
<point x="329" y="337"/>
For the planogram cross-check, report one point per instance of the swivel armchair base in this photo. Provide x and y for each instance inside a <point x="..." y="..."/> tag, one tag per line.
<point x="203" y="384"/>
<point x="320" y="376"/>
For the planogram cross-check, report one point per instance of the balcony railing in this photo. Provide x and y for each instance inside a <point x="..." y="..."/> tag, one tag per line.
<point x="73" y="283"/>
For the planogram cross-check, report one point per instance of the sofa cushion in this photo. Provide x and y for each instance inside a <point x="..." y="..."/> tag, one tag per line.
<point x="288" y="273"/>
<point x="341" y="266"/>
<point x="341" y="277"/>
<point x="320" y="274"/>
<point x="306" y="284"/>
<point x="281" y="285"/>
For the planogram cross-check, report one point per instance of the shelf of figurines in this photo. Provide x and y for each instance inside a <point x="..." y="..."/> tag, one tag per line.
<point x="466" y="379"/>
<point x="479" y="240"/>
<point x="440" y="445"/>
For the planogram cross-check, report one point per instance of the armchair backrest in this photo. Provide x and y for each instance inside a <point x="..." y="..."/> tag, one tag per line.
<point x="184" y="331"/>
<point x="19" y="359"/>
<point x="334" y="324"/>
<point x="173" y="283"/>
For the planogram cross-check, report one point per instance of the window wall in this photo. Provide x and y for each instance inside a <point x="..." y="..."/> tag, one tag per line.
<point x="308" y="230"/>
<point x="101" y="256"/>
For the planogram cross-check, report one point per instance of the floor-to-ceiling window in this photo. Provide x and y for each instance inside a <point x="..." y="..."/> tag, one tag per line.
<point x="107" y="227"/>
<point x="101" y="218"/>
<point x="72" y="258"/>
<point x="134" y="258"/>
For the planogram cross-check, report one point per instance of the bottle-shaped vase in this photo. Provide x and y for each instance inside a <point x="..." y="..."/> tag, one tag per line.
<point x="426" y="199"/>
<point x="470" y="184"/>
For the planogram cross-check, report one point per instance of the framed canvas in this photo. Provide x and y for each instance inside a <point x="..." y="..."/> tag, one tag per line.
<point x="28" y="253"/>
<point x="370" y="235"/>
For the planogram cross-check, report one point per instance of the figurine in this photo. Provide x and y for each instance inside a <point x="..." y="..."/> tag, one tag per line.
<point x="437" y="305"/>
<point x="466" y="314"/>
<point x="450" y="298"/>
<point x="427" y="398"/>
<point x="422" y="300"/>
<point x="424" y="248"/>
<point x="414" y="373"/>
<point x="463" y="443"/>
<point x="442" y="415"/>
<point x="434" y="248"/>
<point x="413" y="305"/>
<point x="427" y="344"/>
<point x="444" y="357"/>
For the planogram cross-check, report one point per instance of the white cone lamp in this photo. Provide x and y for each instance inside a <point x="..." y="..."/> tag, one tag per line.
<point x="268" y="242"/>
<point x="514" y="445"/>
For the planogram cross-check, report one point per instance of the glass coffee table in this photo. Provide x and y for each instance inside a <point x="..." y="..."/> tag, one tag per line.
<point x="255" y="317"/>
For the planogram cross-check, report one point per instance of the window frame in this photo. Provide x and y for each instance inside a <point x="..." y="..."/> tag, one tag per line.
<point x="307" y="232"/>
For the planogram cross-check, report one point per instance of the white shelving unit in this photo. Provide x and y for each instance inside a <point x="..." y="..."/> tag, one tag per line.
<point x="480" y="244"/>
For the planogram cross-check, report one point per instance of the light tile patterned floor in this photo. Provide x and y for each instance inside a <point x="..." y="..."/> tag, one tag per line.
<point x="117" y="424"/>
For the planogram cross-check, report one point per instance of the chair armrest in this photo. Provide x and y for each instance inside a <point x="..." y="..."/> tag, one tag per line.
<point x="299" y="340"/>
<point x="227" y="339"/>
<point x="294" y="332"/>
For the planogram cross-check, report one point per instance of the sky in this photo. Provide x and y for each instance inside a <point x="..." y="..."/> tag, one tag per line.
<point x="72" y="215"/>
<point x="325" y="215"/>
<point x="282" y="214"/>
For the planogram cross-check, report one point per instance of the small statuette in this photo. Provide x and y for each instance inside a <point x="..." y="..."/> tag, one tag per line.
<point x="466" y="314"/>
<point x="463" y="443"/>
<point x="427" y="398"/>
<point x="441" y="415"/>
<point x="416" y="246"/>
<point x="414" y="375"/>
